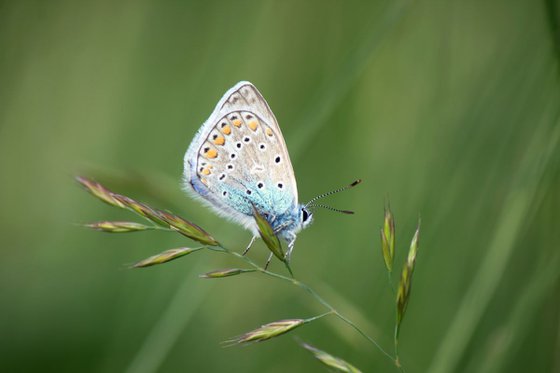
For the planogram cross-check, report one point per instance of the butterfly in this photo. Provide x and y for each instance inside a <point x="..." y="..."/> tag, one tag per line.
<point x="238" y="160"/>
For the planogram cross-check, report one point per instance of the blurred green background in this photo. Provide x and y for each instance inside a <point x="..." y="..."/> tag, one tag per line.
<point x="449" y="108"/>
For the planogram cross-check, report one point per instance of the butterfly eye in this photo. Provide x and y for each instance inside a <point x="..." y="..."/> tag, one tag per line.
<point x="305" y="215"/>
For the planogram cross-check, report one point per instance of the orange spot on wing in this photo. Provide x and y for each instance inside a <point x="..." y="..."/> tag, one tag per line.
<point x="237" y="122"/>
<point x="268" y="131"/>
<point x="203" y="180"/>
<point x="226" y="130"/>
<point x="212" y="153"/>
<point x="220" y="140"/>
<point x="205" y="171"/>
<point x="253" y="125"/>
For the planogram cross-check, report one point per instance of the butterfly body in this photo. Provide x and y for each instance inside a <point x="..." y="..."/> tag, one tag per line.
<point x="238" y="161"/>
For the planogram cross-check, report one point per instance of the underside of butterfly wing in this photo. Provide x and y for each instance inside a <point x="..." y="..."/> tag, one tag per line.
<point x="239" y="160"/>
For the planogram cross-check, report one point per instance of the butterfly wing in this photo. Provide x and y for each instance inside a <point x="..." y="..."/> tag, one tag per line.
<point x="239" y="159"/>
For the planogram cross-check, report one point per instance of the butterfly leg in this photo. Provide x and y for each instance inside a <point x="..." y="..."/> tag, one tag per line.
<point x="250" y="244"/>
<point x="290" y="248"/>
<point x="268" y="261"/>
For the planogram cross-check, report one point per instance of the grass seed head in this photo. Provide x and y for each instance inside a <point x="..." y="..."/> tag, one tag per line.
<point x="268" y="235"/>
<point x="221" y="273"/>
<point x="387" y="258"/>
<point x="99" y="191"/>
<point x="403" y="292"/>
<point x="411" y="259"/>
<point x="388" y="239"/>
<point x="330" y="360"/>
<point x="168" y="220"/>
<point x="186" y="228"/>
<point x="140" y="209"/>
<point x="118" y="226"/>
<point x="267" y="331"/>
<point x="162" y="218"/>
<point x="165" y="257"/>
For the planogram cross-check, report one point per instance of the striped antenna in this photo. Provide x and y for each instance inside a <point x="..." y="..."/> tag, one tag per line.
<point x="310" y="203"/>
<point x="333" y="209"/>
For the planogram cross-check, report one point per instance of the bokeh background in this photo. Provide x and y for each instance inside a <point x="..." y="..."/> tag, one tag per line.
<point x="448" y="108"/>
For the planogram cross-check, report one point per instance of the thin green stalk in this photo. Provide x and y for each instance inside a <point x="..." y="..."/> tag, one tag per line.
<point x="287" y="264"/>
<point x="318" y="316"/>
<point x="315" y="295"/>
<point x="396" y="338"/>
<point x="391" y="283"/>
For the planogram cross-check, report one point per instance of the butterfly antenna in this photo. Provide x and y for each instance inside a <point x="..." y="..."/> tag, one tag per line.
<point x="310" y="203"/>
<point x="332" y="209"/>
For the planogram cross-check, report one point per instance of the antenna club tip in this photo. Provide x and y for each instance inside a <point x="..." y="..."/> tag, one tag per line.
<point x="356" y="183"/>
<point x="347" y="212"/>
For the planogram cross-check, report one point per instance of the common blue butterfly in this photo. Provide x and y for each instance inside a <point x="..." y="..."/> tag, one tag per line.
<point x="238" y="159"/>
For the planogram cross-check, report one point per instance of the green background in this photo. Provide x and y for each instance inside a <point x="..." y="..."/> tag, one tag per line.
<point x="449" y="108"/>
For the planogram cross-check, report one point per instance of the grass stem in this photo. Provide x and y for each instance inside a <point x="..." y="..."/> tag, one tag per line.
<point x="317" y="297"/>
